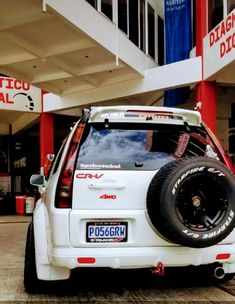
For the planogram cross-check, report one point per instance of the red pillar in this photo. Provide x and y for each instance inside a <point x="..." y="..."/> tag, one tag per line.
<point x="205" y="90"/>
<point x="206" y="93"/>
<point x="46" y="140"/>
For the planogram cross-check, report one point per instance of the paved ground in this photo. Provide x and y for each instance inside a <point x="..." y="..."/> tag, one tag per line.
<point x="101" y="286"/>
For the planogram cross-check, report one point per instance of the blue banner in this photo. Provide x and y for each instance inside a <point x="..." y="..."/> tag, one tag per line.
<point x="178" y="35"/>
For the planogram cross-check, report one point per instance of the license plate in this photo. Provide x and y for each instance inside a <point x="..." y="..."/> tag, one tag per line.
<point x="106" y="232"/>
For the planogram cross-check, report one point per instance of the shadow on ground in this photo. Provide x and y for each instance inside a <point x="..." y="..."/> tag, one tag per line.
<point x="118" y="281"/>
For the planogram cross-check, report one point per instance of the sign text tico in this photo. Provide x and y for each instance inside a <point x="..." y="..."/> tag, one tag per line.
<point x="11" y="84"/>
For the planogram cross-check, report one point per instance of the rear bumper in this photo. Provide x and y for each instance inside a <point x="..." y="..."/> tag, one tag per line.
<point x="141" y="257"/>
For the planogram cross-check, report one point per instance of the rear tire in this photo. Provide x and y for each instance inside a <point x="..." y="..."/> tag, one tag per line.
<point x="31" y="281"/>
<point x="191" y="202"/>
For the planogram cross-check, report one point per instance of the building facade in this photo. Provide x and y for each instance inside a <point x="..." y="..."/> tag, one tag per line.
<point x="58" y="57"/>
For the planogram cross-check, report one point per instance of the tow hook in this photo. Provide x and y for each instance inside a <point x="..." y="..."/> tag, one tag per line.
<point x="159" y="270"/>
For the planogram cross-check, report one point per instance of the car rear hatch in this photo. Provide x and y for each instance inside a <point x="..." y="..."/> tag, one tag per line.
<point x="119" y="154"/>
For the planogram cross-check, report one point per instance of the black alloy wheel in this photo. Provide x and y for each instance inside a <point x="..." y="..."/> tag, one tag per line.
<point x="191" y="202"/>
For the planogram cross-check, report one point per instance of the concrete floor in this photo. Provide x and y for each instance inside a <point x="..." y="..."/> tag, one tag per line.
<point x="96" y="286"/>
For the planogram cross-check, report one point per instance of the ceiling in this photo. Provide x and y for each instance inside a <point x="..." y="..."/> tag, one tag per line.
<point x="44" y="49"/>
<point x="8" y="117"/>
<point x="226" y="75"/>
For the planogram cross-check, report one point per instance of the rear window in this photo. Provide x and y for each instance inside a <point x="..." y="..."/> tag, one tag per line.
<point x="140" y="147"/>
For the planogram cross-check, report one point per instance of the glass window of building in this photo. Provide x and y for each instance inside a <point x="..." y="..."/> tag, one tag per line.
<point x="160" y="41"/>
<point x="134" y="21"/>
<point x="217" y="7"/>
<point x="138" y="19"/>
<point x="151" y="31"/>
<point x="122" y="15"/>
<point x="142" y="25"/>
<point x="107" y="8"/>
<point x="93" y="3"/>
<point x="231" y="5"/>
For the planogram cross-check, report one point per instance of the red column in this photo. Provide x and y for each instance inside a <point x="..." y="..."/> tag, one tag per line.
<point x="206" y="93"/>
<point x="205" y="90"/>
<point x="46" y="140"/>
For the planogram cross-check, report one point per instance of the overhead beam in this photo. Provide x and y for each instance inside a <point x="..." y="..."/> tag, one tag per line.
<point x="4" y="129"/>
<point x="163" y="77"/>
<point x="48" y="52"/>
<point x="12" y="24"/>
<point x="10" y="72"/>
<point x="91" y="80"/>
<point x="16" y="58"/>
<point x="31" y="48"/>
<point x="80" y="43"/>
<point x="79" y="71"/>
<point x="24" y="121"/>
<point x="48" y="87"/>
<point x="45" y="77"/>
<point x="97" y="68"/>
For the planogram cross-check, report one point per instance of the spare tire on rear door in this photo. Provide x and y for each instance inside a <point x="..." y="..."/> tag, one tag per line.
<point x="191" y="201"/>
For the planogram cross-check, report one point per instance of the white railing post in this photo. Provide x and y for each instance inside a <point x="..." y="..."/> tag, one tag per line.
<point x="116" y="17"/>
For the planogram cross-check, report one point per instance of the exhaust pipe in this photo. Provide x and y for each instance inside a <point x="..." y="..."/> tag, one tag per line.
<point x="219" y="273"/>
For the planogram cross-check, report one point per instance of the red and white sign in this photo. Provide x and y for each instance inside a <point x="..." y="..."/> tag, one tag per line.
<point x="19" y="96"/>
<point x="219" y="46"/>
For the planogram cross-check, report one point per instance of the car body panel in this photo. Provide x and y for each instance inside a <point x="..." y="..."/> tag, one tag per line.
<point x="113" y="196"/>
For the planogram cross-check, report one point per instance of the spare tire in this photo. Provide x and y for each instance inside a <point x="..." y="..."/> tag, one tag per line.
<point x="191" y="202"/>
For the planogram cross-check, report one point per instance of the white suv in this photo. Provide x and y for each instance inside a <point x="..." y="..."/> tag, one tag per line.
<point x="134" y="187"/>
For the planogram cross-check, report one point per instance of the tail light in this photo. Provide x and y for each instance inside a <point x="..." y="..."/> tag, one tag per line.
<point x="64" y="187"/>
